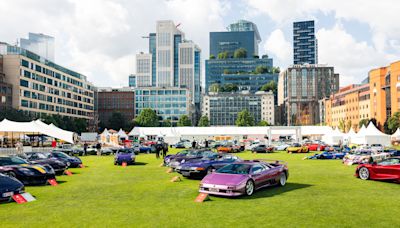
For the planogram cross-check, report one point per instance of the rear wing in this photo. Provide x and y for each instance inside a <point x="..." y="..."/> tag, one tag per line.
<point x="270" y="161"/>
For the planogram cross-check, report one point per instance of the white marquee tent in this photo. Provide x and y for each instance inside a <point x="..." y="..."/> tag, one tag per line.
<point x="371" y="135"/>
<point x="333" y="136"/>
<point x="396" y="135"/>
<point x="122" y="134"/>
<point x="38" y="127"/>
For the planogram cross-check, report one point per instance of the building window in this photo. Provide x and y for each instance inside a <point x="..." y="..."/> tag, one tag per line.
<point x="24" y="83"/>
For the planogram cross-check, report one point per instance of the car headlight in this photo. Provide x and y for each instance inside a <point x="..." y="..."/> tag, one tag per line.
<point x="183" y="161"/>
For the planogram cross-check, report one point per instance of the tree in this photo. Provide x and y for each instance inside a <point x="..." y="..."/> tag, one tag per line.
<point x="263" y="123"/>
<point x="184" y="121"/>
<point x="363" y="122"/>
<point x="147" y="118"/>
<point x="212" y="56"/>
<point x="204" y="122"/>
<point x="244" y="118"/>
<point x="215" y="88"/>
<point x="240" y="53"/>
<point x="167" y="123"/>
<point x="270" y="86"/>
<point x="116" y="121"/>
<point x="348" y="126"/>
<point x="261" y="69"/>
<point x="14" y="115"/>
<point x="256" y="56"/>
<point x="394" y="122"/>
<point x="342" y="125"/>
<point x="275" y="70"/>
<point x="229" y="87"/>
<point x="223" y="55"/>
<point x="226" y="71"/>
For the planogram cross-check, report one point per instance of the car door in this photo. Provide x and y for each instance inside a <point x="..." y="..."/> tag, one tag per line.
<point x="258" y="174"/>
<point x="387" y="169"/>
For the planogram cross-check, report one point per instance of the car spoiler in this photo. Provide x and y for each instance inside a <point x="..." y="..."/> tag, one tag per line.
<point x="268" y="161"/>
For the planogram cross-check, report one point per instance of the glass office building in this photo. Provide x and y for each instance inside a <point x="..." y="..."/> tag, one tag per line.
<point x="305" y="47"/>
<point x="132" y="80"/>
<point x="39" y="44"/>
<point x="218" y="69"/>
<point x="169" y="103"/>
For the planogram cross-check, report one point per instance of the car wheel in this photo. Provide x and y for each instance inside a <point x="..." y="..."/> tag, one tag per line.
<point x="363" y="173"/>
<point x="249" y="187"/>
<point x="282" y="180"/>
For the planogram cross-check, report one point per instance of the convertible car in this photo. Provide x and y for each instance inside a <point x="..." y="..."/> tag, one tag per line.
<point x="26" y="173"/>
<point x="243" y="178"/>
<point x="41" y="159"/>
<point x="8" y="187"/>
<point x="297" y="148"/>
<point x="125" y="155"/>
<point x="198" y="168"/>
<point x="387" y="169"/>
<point x="328" y="155"/>
<point x="71" y="161"/>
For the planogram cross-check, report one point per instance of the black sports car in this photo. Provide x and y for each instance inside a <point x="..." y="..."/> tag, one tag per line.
<point x="8" y="187"/>
<point x="191" y="155"/>
<point x="29" y="174"/>
<point x="71" y="161"/>
<point x="42" y="159"/>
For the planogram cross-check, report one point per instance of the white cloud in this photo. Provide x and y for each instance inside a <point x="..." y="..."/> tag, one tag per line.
<point x="351" y="59"/>
<point x="277" y="45"/>
<point x="100" y="38"/>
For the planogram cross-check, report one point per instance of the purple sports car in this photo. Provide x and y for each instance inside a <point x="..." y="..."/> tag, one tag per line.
<point x="244" y="177"/>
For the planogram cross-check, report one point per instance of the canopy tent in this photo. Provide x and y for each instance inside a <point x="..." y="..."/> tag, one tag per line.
<point x="122" y="134"/>
<point x="349" y="135"/>
<point x="333" y="136"/>
<point x="371" y="135"/>
<point x="396" y="135"/>
<point x="36" y="126"/>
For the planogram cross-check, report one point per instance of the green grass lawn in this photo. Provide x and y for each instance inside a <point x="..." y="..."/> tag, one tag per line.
<point x="318" y="193"/>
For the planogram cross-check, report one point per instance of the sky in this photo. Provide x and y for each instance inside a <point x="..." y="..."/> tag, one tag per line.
<point x="99" y="38"/>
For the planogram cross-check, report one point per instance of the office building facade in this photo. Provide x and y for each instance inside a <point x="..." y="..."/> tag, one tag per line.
<point x="305" y="47"/>
<point x="5" y="90"/>
<point x="40" y="44"/>
<point x="132" y="81"/>
<point x="169" y="103"/>
<point x="242" y="34"/>
<point x="303" y="87"/>
<point x="222" y="108"/>
<point x="384" y="84"/>
<point x="41" y="86"/>
<point x="349" y="105"/>
<point x="110" y="100"/>
<point x="172" y="61"/>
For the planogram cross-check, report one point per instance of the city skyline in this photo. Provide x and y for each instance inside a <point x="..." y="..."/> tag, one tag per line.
<point x="353" y="37"/>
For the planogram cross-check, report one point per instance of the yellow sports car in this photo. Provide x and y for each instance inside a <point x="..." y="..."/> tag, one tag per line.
<point x="297" y="148"/>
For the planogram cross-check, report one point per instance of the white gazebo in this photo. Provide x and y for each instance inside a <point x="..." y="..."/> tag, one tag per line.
<point x="371" y="135"/>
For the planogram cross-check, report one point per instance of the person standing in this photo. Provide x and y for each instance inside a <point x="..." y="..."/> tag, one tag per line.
<point x="98" y="147"/>
<point x="159" y="147"/>
<point x="206" y="143"/>
<point x="194" y="144"/>
<point x="165" y="149"/>
<point x="85" y="146"/>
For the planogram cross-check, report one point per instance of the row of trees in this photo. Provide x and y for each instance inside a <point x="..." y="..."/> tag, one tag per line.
<point x="237" y="54"/>
<point x="259" y="70"/>
<point x="229" y="87"/>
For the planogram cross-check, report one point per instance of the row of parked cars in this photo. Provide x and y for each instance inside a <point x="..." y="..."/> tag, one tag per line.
<point x="226" y="174"/>
<point x="32" y="168"/>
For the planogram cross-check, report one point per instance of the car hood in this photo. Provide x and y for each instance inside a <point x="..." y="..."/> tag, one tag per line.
<point x="197" y="163"/>
<point x="125" y="155"/>
<point x="224" y="179"/>
<point x="9" y="184"/>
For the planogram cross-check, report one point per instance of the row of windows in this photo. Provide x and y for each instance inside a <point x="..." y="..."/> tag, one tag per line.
<point x="53" y="108"/>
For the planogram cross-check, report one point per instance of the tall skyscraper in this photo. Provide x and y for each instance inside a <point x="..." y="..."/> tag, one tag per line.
<point x="172" y="62"/>
<point x="40" y="44"/>
<point x="305" y="46"/>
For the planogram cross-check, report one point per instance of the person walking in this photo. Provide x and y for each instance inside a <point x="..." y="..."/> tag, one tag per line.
<point x="165" y="149"/>
<point x="206" y="143"/>
<point x="159" y="147"/>
<point x="194" y="144"/>
<point x="98" y="147"/>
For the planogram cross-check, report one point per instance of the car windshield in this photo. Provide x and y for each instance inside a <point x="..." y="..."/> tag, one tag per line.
<point x="296" y="145"/>
<point x="60" y="155"/>
<point x="235" y="169"/>
<point x="124" y="151"/>
<point x="37" y="156"/>
<point x="12" y="161"/>
<point x="363" y="152"/>
<point x="183" y="152"/>
<point x="390" y="161"/>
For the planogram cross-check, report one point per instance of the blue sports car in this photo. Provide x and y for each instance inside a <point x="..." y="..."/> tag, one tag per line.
<point x="328" y="155"/>
<point x="198" y="168"/>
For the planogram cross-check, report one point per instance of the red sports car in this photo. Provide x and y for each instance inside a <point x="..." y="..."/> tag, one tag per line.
<point x="387" y="169"/>
<point x="315" y="147"/>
